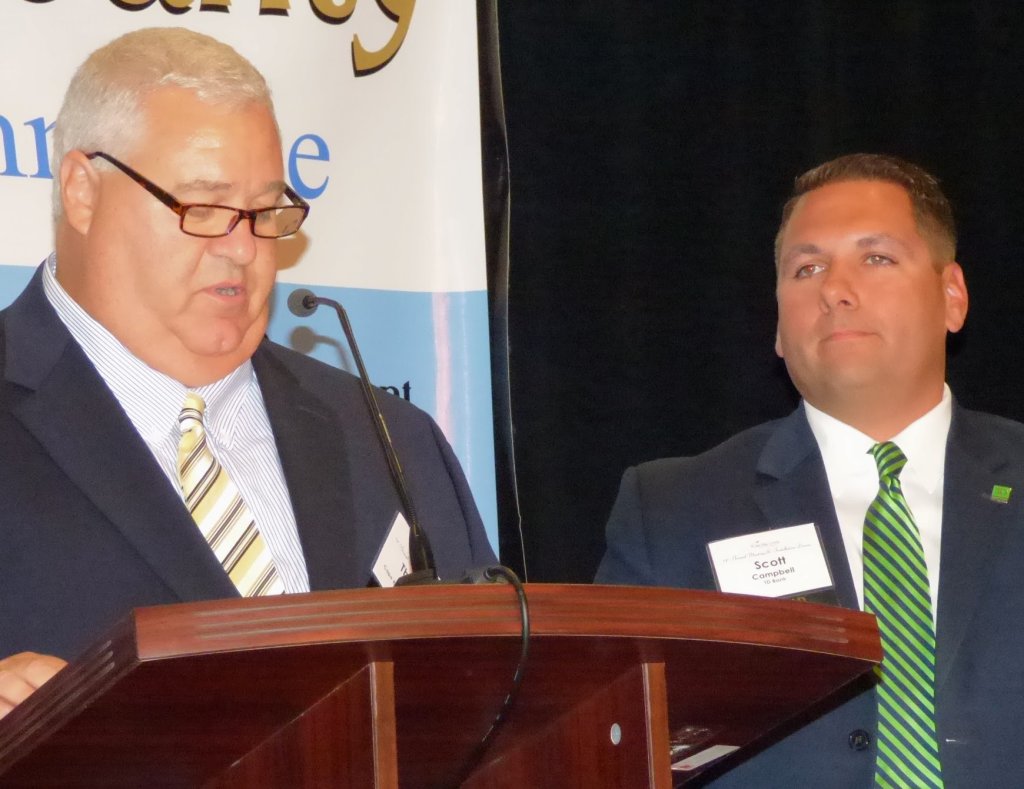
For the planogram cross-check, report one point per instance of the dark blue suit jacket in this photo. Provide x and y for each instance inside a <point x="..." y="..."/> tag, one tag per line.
<point x="772" y="476"/>
<point x="90" y="526"/>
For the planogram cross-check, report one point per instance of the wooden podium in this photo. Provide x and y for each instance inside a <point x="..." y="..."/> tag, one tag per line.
<point x="389" y="687"/>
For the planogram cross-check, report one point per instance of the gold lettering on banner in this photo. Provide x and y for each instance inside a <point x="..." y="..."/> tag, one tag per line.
<point x="364" y="61"/>
<point x="275" y="7"/>
<point x="332" y="12"/>
<point x="174" y="6"/>
<point x="335" y="12"/>
<point x="133" y="5"/>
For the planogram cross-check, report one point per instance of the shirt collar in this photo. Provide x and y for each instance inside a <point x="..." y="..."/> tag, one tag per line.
<point x="923" y="442"/>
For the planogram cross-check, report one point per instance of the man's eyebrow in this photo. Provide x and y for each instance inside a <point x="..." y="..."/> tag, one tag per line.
<point x="878" y="239"/>
<point x="204" y="185"/>
<point x="801" y="249"/>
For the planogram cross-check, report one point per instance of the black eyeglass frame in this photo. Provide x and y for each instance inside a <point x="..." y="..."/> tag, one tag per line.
<point x="181" y="209"/>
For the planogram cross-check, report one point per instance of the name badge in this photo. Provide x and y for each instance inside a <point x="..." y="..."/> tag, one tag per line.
<point x="393" y="558"/>
<point x="788" y="562"/>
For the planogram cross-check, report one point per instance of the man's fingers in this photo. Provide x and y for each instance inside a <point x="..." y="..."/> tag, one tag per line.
<point x="22" y="674"/>
<point x="14" y="688"/>
<point x="40" y="668"/>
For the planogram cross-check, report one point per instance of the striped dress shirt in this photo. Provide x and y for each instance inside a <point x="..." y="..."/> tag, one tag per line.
<point x="236" y="419"/>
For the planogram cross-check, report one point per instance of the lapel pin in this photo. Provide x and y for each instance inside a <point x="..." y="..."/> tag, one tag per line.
<point x="1001" y="493"/>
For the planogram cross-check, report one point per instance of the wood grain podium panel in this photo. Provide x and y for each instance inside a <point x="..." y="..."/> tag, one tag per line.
<point x="297" y="690"/>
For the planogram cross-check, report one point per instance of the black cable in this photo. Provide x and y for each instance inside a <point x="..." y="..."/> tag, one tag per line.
<point x="476" y="757"/>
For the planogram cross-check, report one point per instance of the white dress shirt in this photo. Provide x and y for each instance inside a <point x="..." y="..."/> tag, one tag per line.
<point x="238" y="428"/>
<point x="853" y="480"/>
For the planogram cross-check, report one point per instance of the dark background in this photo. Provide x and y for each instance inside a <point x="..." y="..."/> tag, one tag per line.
<point x="651" y="146"/>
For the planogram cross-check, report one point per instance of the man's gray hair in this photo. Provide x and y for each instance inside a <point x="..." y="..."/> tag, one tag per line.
<point x="102" y="109"/>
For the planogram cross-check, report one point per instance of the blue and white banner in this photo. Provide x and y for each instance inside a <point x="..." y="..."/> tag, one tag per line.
<point x="378" y="102"/>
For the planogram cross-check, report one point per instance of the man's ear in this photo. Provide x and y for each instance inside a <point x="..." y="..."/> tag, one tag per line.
<point x="955" y="293"/>
<point x="778" y="345"/>
<point x="79" y="190"/>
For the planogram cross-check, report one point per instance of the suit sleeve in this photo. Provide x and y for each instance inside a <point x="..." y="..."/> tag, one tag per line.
<point x="480" y="546"/>
<point x="626" y="558"/>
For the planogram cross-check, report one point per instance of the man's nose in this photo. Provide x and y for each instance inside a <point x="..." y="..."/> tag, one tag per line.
<point x="239" y="245"/>
<point x="838" y="289"/>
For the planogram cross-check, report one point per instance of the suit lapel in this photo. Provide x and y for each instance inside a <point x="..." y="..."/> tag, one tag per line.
<point x="77" y="420"/>
<point x="794" y="490"/>
<point x="973" y="530"/>
<point x="312" y="447"/>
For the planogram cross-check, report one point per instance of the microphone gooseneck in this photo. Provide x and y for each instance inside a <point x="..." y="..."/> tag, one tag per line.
<point x="303" y="303"/>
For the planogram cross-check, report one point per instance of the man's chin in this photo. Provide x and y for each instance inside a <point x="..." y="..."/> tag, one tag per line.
<point x="221" y="347"/>
<point x="223" y="338"/>
<point x="240" y="348"/>
<point x="842" y="385"/>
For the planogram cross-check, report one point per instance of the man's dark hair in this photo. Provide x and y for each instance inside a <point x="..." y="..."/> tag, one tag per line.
<point x="932" y="212"/>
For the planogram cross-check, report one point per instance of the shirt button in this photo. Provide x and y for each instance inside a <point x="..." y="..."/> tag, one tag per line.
<point x="859" y="740"/>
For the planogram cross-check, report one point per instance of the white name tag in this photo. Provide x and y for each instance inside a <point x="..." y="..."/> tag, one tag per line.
<point x="705" y="756"/>
<point x="393" y="558"/>
<point x="785" y="562"/>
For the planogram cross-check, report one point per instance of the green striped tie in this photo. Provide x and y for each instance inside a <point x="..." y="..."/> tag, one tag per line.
<point x="896" y="591"/>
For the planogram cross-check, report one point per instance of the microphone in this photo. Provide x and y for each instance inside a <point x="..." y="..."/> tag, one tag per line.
<point x="302" y="303"/>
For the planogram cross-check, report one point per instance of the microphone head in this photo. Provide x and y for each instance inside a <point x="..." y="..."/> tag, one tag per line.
<point x="302" y="302"/>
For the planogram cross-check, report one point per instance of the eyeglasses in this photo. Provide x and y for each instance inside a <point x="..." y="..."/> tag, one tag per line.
<point x="213" y="221"/>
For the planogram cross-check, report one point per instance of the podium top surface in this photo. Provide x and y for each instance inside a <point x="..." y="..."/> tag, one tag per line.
<point x="454" y="611"/>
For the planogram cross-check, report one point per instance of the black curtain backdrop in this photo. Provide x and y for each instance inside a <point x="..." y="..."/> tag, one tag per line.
<point x="651" y="146"/>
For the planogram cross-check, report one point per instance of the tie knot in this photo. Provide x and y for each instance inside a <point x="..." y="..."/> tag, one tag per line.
<point x="889" y="458"/>
<point x="192" y="412"/>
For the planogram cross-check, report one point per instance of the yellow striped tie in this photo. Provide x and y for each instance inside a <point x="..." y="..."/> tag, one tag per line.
<point x="219" y="511"/>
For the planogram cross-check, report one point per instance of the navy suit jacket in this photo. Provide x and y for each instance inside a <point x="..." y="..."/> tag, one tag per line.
<point x="90" y="526"/>
<point x="772" y="476"/>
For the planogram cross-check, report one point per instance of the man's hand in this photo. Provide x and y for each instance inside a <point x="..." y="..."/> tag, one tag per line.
<point x="21" y="674"/>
